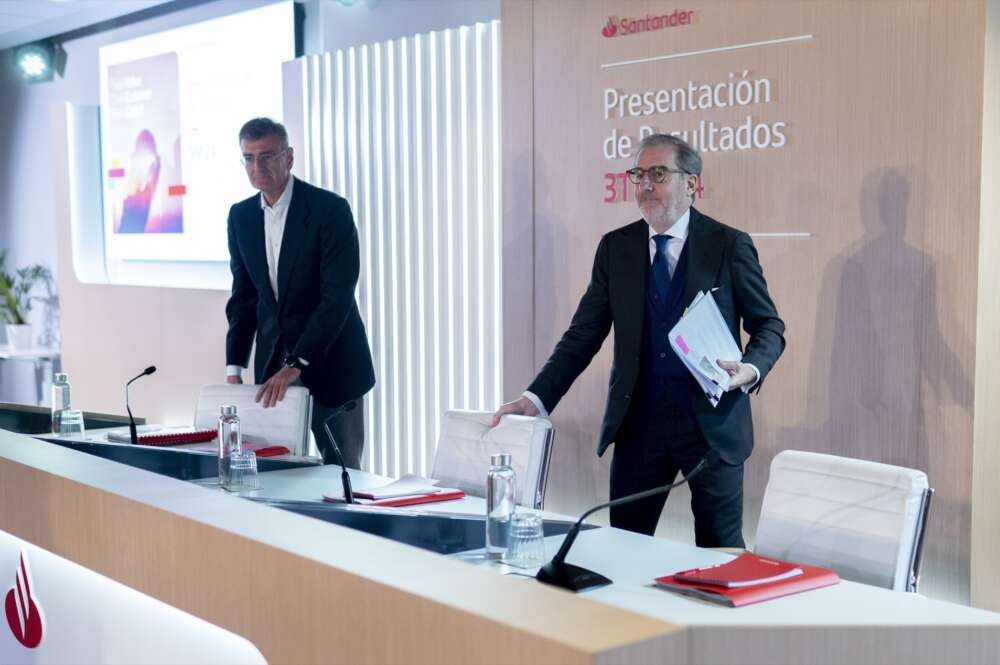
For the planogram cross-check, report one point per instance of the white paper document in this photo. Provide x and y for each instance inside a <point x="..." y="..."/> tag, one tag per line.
<point x="700" y="339"/>
<point x="408" y="485"/>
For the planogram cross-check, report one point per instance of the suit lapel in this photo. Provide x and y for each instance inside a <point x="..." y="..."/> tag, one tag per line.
<point x="704" y="249"/>
<point x="634" y="269"/>
<point x="256" y="252"/>
<point x="296" y="223"/>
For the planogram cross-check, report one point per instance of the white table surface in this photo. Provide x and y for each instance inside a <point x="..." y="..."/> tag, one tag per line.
<point x="100" y="435"/>
<point x="632" y="561"/>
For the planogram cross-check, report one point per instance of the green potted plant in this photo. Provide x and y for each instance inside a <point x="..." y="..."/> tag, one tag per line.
<point x="16" y="300"/>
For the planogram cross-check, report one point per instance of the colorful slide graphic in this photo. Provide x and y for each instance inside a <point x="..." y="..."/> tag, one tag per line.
<point x="144" y="176"/>
<point x="172" y="104"/>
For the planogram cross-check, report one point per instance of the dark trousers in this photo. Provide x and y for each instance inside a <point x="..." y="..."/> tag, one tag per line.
<point x="347" y="426"/>
<point x="649" y="452"/>
<point x="348" y="429"/>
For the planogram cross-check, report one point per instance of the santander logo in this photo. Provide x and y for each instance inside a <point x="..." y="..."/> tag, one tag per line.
<point x="611" y="28"/>
<point x="625" y="26"/>
<point x="24" y="616"/>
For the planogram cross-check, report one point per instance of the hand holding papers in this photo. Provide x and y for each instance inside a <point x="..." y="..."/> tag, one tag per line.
<point x="700" y="339"/>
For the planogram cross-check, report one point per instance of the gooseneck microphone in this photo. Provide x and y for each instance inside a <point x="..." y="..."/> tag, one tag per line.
<point x="574" y="578"/>
<point x="131" y="421"/>
<point x="344" y="477"/>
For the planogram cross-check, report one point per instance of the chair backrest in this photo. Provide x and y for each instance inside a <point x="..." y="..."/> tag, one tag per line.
<point x="286" y="424"/>
<point x="863" y="520"/>
<point x="467" y="441"/>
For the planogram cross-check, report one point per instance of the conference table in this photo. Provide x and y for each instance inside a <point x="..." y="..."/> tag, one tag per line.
<point x="301" y="589"/>
<point x="632" y="561"/>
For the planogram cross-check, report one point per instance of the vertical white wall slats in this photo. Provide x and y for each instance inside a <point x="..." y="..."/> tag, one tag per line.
<point x="409" y="132"/>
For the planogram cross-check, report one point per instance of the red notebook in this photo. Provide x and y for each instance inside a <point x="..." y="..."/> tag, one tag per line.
<point x="812" y="577"/>
<point x="166" y="437"/>
<point x="745" y="570"/>
<point x="177" y="436"/>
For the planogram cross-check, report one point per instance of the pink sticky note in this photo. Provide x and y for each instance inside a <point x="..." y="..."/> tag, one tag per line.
<point x="681" y="345"/>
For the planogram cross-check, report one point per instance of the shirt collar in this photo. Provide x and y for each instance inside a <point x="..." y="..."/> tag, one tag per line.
<point x="283" y="200"/>
<point x="679" y="228"/>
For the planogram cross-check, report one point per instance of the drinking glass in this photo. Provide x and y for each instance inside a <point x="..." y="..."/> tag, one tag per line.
<point x="526" y="544"/>
<point x="243" y="472"/>
<point x="71" y="424"/>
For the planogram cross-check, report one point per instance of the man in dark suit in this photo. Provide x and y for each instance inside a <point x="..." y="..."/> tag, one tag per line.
<point x="294" y="256"/>
<point x="645" y="274"/>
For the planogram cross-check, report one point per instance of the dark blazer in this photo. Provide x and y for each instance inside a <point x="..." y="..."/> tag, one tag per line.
<point x="720" y="257"/>
<point x="315" y="316"/>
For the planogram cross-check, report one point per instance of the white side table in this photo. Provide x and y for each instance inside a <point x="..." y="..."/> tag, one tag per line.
<point x="46" y="362"/>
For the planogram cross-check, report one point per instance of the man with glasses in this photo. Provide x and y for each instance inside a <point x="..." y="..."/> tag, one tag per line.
<point x="294" y="256"/>
<point x="645" y="274"/>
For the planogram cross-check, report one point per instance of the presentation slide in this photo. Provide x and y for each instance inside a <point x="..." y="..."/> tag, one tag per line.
<point x="172" y="105"/>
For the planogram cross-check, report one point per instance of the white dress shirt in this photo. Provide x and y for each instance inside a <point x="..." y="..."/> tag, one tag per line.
<point x="274" y="230"/>
<point x="678" y="233"/>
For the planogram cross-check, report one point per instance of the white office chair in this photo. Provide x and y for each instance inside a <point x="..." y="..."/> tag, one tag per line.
<point x="286" y="424"/>
<point x="467" y="441"/>
<point x="863" y="520"/>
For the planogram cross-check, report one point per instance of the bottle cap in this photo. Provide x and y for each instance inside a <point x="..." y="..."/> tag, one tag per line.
<point x="60" y="377"/>
<point x="500" y="459"/>
<point x="228" y="409"/>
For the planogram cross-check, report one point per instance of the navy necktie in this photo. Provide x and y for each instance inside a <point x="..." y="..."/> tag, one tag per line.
<point x="661" y="271"/>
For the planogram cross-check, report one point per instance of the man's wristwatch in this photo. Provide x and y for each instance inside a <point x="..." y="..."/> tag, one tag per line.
<point x="295" y="361"/>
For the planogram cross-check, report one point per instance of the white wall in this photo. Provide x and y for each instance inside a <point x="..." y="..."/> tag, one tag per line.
<point x="180" y="330"/>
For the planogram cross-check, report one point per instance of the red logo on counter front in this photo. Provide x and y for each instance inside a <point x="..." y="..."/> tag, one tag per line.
<point x="625" y="26"/>
<point x="24" y="616"/>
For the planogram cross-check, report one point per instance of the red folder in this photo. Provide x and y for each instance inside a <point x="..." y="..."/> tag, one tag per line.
<point x="812" y="577"/>
<point x="396" y="502"/>
<point x="745" y="570"/>
<point x="267" y="451"/>
<point x="447" y="495"/>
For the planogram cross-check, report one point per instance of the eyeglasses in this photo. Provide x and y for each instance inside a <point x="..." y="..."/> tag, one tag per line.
<point x="656" y="173"/>
<point x="264" y="159"/>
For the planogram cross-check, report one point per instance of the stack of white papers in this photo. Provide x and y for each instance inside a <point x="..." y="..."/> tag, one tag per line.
<point x="700" y="339"/>
<point x="407" y="486"/>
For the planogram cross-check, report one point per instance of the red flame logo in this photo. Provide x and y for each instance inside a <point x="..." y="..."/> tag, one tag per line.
<point x="611" y="28"/>
<point x="23" y="614"/>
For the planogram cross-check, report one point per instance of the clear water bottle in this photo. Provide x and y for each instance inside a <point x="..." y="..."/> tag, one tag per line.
<point x="60" y="398"/>
<point x="500" y="500"/>
<point x="230" y="440"/>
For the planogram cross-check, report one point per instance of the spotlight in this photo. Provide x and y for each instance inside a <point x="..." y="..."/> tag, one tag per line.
<point x="39" y="61"/>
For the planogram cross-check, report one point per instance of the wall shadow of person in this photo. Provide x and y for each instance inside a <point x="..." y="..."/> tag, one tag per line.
<point x="881" y="363"/>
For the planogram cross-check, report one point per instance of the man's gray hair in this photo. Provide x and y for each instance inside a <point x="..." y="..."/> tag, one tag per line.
<point x="258" y="128"/>
<point x="688" y="159"/>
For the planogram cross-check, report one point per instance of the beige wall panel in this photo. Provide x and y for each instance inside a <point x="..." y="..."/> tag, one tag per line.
<point x="986" y="470"/>
<point x="881" y="169"/>
<point x="518" y="196"/>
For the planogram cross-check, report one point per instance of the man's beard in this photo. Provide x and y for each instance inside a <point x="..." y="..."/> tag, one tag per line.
<point x="658" y="213"/>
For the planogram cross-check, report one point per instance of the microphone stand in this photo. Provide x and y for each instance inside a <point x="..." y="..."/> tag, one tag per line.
<point x="133" y="433"/>
<point x="574" y="578"/>
<point x="344" y="477"/>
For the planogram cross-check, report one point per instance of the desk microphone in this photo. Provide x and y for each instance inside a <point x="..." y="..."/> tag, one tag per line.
<point x="344" y="477"/>
<point x="574" y="578"/>
<point x="131" y="421"/>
